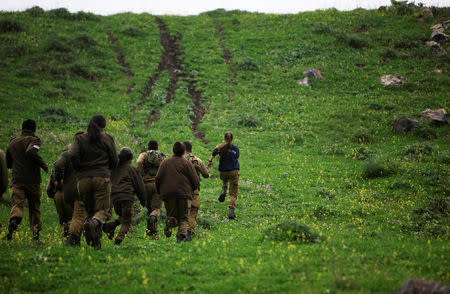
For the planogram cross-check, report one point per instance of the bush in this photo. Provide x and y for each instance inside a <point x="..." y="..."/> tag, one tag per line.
<point x="322" y="211"/>
<point x="322" y="28"/>
<point x="416" y="149"/>
<point x="388" y="53"/>
<point x="206" y="221"/>
<point x="60" y="13"/>
<point x="85" y="16"/>
<point x="248" y="64"/>
<point x="372" y="169"/>
<point x="361" y="136"/>
<point x="83" y="41"/>
<point x="131" y="31"/>
<point x="356" y="41"/>
<point x="55" y="114"/>
<point x="58" y="43"/>
<point x="35" y="11"/>
<point x="9" y="25"/>
<point x="292" y="230"/>
<point x="432" y="216"/>
<point x="323" y="192"/>
<point x="84" y="70"/>
<point x="402" y="7"/>
<point x="12" y="47"/>
<point x="424" y="131"/>
<point x="247" y="120"/>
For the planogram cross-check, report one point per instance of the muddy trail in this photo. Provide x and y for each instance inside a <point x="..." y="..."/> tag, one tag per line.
<point x="121" y="60"/>
<point x="226" y="53"/>
<point x="171" y="61"/>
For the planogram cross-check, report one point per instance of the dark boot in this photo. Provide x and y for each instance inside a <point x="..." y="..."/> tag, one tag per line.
<point x="36" y="238"/>
<point x="12" y="228"/>
<point x="170" y="223"/>
<point x="117" y="242"/>
<point x="152" y="226"/>
<point x="66" y="227"/>
<point x="188" y="236"/>
<point x="223" y="194"/>
<point x="181" y="238"/>
<point x="231" y="214"/>
<point x="110" y="228"/>
<point x="93" y="232"/>
<point x="72" y="240"/>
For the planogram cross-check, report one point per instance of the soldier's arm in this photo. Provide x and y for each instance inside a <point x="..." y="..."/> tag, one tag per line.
<point x="51" y="189"/>
<point x="74" y="153"/>
<point x="192" y="176"/>
<point x="140" y="162"/>
<point x="113" y="158"/>
<point x="32" y="151"/>
<point x="236" y="151"/>
<point x="9" y="160"/>
<point x="139" y="186"/>
<point x="204" y="170"/>
<point x="3" y="173"/>
<point x="59" y="167"/>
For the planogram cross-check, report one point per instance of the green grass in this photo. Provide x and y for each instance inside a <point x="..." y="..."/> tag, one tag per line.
<point x="305" y="152"/>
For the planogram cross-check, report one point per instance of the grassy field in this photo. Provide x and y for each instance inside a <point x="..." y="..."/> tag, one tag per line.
<point x="331" y="200"/>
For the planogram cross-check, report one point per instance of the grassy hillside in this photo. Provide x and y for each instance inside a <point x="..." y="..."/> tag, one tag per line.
<point x="324" y="156"/>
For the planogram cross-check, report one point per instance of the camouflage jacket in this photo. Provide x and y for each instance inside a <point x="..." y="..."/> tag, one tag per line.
<point x="200" y="166"/>
<point x="148" y="163"/>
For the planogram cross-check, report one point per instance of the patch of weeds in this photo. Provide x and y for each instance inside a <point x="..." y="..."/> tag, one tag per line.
<point x="324" y="192"/>
<point x="432" y="216"/>
<point x="292" y="230"/>
<point x="12" y="47"/>
<point x="55" y="114"/>
<point x="35" y="11"/>
<point x="322" y="28"/>
<point x="247" y="120"/>
<point x="356" y="41"/>
<point x="402" y="7"/>
<point x="85" y="16"/>
<point x="248" y="64"/>
<point x="417" y="149"/>
<point x="425" y="131"/>
<point x="294" y="54"/>
<point x="387" y="53"/>
<point x="85" y="71"/>
<point x="10" y="26"/>
<point x="345" y="283"/>
<point x="131" y="31"/>
<point x="60" y="13"/>
<point x="376" y="169"/>
<point x="58" y="43"/>
<point x="206" y="221"/>
<point x="400" y="185"/>
<point x="83" y="41"/>
<point x="322" y="211"/>
<point x="362" y="153"/>
<point x="332" y="150"/>
<point x="235" y="21"/>
<point x="361" y="136"/>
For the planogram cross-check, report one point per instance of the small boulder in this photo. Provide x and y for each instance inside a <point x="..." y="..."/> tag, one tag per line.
<point x="312" y="73"/>
<point x="438" y="71"/>
<point x="438" y="116"/>
<point x="304" y="82"/>
<point x="426" y="12"/>
<point x="440" y="36"/>
<point x="404" y="125"/>
<point x="392" y="80"/>
<point x="435" y="48"/>
<point x="418" y="286"/>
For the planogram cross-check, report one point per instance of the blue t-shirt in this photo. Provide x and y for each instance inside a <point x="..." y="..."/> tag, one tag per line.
<point x="229" y="160"/>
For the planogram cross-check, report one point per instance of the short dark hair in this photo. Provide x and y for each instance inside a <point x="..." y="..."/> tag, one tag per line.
<point x="178" y="148"/>
<point x="188" y="146"/>
<point x="125" y="155"/>
<point x="152" y="145"/>
<point x="29" y="124"/>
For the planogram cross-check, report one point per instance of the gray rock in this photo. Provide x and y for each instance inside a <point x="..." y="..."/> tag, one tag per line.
<point x="426" y="12"/>
<point x="418" y="286"/>
<point x="312" y="73"/>
<point x="440" y="36"/>
<point x="436" y="48"/>
<point x="438" y="116"/>
<point x="404" y="125"/>
<point x="392" y="80"/>
<point x="304" y="82"/>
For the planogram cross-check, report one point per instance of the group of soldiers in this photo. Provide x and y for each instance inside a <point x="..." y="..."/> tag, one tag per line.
<point x="91" y="178"/>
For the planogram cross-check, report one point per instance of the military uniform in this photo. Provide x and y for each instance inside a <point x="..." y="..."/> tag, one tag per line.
<point x="64" y="196"/>
<point x="194" y="204"/>
<point x="3" y="177"/>
<point x="126" y="181"/>
<point x="148" y="164"/>
<point x="93" y="162"/>
<point x="23" y="158"/>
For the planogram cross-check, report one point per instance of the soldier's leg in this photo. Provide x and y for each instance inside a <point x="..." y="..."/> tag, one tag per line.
<point x="234" y="182"/>
<point x="67" y="217"/>
<point x="193" y="211"/>
<point x="76" y="224"/>
<point x="59" y="205"/>
<point x="125" y="220"/>
<point x="102" y="197"/>
<point x="110" y="227"/>
<point x="19" y="200"/>
<point x="224" y="177"/>
<point x="34" y="209"/>
<point x="182" y="216"/>
<point x="171" y="213"/>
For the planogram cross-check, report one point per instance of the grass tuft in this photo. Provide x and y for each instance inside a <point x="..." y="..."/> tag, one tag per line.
<point x="292" y="230"/>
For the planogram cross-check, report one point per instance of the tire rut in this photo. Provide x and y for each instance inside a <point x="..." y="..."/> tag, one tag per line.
<point x="172" y="62"/>
<point x="226" y="54"/>
<point x="121" y="59"/>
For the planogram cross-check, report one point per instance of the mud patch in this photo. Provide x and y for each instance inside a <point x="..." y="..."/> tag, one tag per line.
<point x="121" y="59"/>
<point x="226" y="53"/>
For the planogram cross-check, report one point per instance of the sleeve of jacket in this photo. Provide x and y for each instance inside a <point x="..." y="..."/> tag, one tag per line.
<point x="140" y="162"/>
<point x="192" y="176"/>
<point x="236" y="149"/>
<point x="160" y="176"/>
<point x="59" y="167"/>
<point x="204" y="170"/>
<point x="51" y="189"/>
<point x="3" y="173"/>
<point x="32" y="151"/>
<point x="138" y="184"/>
<point x="113" y="158"/>
<point x="74" y="153"/>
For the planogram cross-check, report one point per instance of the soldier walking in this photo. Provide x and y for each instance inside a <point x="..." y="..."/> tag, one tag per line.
<point x="203" y="170"/>
<point x="229" y="171"/>
<point x="175" y="181"/>
<point x="148" y="164"/>
<point x="93" y="156"/>
<point x="23" y="158"/>
<point x="126" y="181"/>
<point x="3" y="178"/>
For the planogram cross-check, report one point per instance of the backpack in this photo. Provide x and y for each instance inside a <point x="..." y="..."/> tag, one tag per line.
<point x="155" y="157"/>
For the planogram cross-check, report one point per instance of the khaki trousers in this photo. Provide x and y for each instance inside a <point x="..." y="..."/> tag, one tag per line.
<point x="124" y="210"/>
<point x="153" y="200"/>
<point x="177" y="213"/>
<point x="64" y="209"/>
<point x="193" y="205"/>
<point x="20" y="194"/>
<point x="231" y="177"/>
